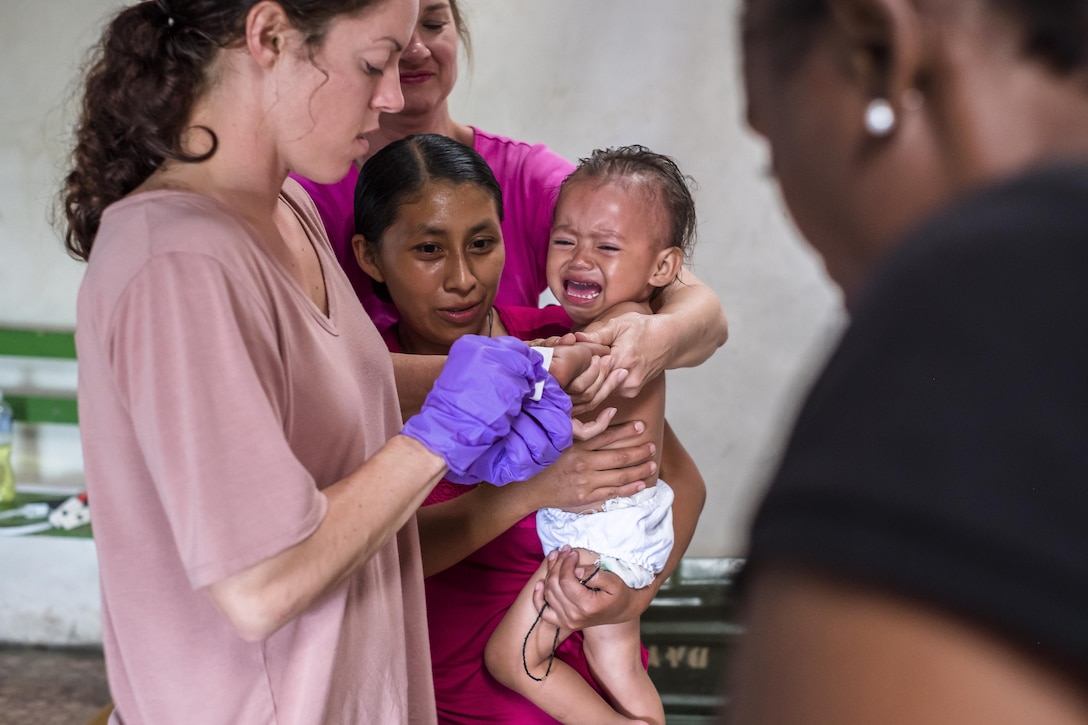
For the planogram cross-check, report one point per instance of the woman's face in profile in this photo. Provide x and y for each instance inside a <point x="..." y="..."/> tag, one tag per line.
<point x="428" y="67"/>
<point x="837" y="180"/>
<point x="441" y="260"/>
<point x="317" y="133"/>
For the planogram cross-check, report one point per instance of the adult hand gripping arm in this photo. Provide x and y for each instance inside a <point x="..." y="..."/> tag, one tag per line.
<point x="506" y="437"/>
<point x="687" y="326"/>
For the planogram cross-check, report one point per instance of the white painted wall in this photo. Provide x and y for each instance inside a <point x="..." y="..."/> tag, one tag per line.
<point x="573" y="74"/>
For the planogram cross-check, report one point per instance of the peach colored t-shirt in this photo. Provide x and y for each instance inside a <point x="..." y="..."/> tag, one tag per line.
<point x="216" y="400"/>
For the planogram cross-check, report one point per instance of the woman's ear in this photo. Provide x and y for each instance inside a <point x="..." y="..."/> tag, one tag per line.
<point x="367" y="257"/>
<point x="266" y="27"/>
<point x="667" y="266"/>
<point x="884" y="47"/>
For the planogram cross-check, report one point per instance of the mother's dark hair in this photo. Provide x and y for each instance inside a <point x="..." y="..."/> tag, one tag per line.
<point x="141" y="82"/>
<point x="397" y="174"/>
<point x="1053" y="30"/>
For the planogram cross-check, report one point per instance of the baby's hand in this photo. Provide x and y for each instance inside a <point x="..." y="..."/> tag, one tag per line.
<point x="585" y="370"/>
<point x="553" y="341"/>
<point x="572" y="361"/>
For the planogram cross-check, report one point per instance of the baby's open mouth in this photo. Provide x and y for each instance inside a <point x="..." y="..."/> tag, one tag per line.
<point x="584" y="291"/>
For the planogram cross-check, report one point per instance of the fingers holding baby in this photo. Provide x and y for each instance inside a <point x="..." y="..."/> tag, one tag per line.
<point x="612" y="462"/>
<point x="584" y="369"/>
<point x="615" y="356"/>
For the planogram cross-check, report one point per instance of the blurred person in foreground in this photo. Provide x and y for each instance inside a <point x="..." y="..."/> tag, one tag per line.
<point x="920" y="555"/>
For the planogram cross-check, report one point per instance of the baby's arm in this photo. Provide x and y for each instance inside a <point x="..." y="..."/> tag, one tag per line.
<point x="415" y="374"/>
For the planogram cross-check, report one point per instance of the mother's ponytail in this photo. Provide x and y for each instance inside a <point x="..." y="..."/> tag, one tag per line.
<point x="139" y="89"/>
<point x="150" y="67"/>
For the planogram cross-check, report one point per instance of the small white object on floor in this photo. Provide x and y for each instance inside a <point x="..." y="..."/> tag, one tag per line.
<point x="70" y="514"/>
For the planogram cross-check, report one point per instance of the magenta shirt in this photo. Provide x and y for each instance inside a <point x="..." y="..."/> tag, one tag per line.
<point x="466" y="602"/>
<point x="529" y="176"/>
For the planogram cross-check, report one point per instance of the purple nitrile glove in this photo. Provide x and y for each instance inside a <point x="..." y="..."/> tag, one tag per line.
<point x="475" y="399"/>
<point x="539" y="433"/>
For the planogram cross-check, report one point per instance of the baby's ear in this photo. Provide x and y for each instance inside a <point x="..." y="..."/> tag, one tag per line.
<point x="667" y="266"/>
<point x="366" y="255"/>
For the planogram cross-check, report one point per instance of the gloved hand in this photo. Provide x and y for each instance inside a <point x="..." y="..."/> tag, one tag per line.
<point x="539" y="433"/>
<point x="475" y="399"/>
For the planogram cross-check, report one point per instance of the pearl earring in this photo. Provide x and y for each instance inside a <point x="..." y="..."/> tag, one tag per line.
<point x="879" y="118"/>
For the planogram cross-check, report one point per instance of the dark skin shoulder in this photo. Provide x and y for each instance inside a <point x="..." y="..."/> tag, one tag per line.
<point x="879" y="658"/>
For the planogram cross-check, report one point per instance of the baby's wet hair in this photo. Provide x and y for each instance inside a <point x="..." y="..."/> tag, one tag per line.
<point x="658" y="173"/>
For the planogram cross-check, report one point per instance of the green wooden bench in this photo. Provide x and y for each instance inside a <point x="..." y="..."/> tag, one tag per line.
<point x="691" y="631"/>
<point x="33" y="406"/>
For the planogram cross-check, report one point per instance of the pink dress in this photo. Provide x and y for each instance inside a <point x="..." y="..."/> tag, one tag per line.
<point x="529" y="176"/>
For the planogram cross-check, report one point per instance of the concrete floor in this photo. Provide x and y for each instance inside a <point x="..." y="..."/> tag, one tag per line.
<point x="690" y="632"/>
<point x="51" y="686"/>
<point x="62" y="686"/>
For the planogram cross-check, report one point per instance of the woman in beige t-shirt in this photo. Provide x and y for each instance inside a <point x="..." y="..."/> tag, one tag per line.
<point x="253" y="500"/>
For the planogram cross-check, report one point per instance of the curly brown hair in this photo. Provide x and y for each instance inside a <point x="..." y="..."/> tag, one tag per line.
<point x="139" y="87"/>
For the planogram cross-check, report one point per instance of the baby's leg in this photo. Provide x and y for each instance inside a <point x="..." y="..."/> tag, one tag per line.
<point x="614" y="654"/>
<point x="560" y="692"/>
